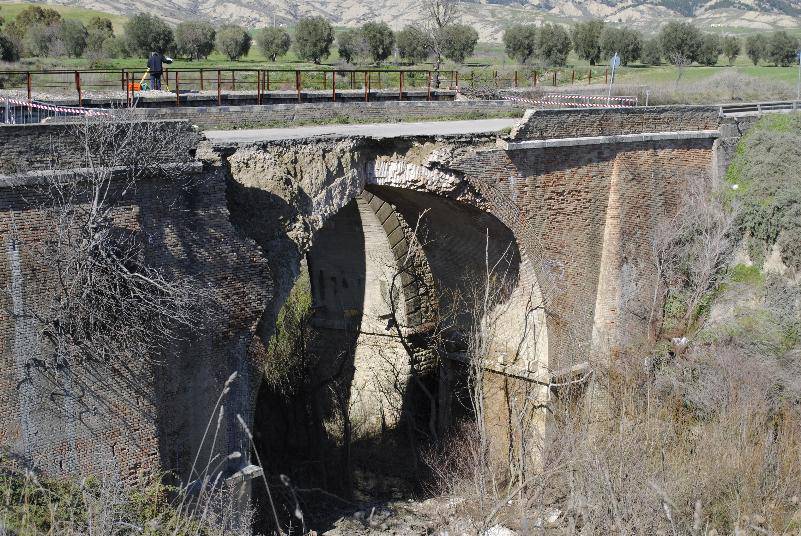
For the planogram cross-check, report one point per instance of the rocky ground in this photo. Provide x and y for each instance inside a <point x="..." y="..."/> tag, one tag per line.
<point x="440" y="516"/>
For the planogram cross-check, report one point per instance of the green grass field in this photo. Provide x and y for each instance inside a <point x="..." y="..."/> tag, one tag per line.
<point x="487" y="58"/>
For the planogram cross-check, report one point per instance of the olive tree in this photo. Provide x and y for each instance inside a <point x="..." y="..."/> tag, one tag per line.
<point x="195" y="39"/>
<point x="458" y="42"/>
<point x="313" y="39"/>
<point x="731" y="48"/>
<point x="782" y="49"/>
<point x="414" y="45"/>
<point x="711" y="49"/>
<point x="622" y="41"/>
<point x="40" y="40"/>
<point x="651" y="52"/>
<point x="273" y="42"/>
<point x="147" y="33"/>
<point x="681" y="43"/>
<point x="553" y="45"/>
<point x="8" y="50"/>
<point x="99" y="30"/>
<point x="756" y="48"/>
<point x="352" y="46"/>
<point x="17" y="28"/>
<point x="520" y="42"/>
<point x="380" y="40"/>
<point x="233" y="41"/>
<point x="74" y="36"/>
<point x="586" y="38"/>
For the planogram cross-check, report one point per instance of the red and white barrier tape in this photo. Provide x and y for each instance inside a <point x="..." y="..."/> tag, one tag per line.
<point x="58" y="109"/>
<point x="619" y="99"/>
<point x="554" y="101"/>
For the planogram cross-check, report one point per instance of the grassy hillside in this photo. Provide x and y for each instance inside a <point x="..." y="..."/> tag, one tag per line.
<point x="10" y="10"/>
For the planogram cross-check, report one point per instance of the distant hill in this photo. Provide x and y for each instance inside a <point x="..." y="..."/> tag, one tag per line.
<point x="490" y="17"/>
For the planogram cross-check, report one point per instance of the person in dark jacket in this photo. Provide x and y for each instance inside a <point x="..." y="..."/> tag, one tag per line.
<point x="154" y="63"/>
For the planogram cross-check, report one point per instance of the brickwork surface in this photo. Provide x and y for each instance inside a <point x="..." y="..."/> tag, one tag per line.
<point x="546" y="124"/>
<point x="37" y="147"/>
<point x="556" y="201"/>
<point x="128" y="418"/>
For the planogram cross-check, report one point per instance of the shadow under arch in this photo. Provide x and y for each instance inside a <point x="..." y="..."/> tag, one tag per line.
<point x="350" y="266"/>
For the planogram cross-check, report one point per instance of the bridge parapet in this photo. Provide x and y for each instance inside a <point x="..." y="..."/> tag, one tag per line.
<point x="554" y="124"/>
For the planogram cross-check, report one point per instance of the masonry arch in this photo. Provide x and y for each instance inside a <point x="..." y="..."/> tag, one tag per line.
<point x="364" y="239"/>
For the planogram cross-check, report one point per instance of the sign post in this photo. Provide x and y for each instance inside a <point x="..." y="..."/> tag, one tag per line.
<point x="798" y="83"/>
<point x="614" y="64"/>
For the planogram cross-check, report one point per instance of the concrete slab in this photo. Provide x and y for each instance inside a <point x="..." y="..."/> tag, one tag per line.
<point x="380" y="131"/>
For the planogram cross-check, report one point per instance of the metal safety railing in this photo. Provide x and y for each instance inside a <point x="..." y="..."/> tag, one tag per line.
<point x="217" y="81"/>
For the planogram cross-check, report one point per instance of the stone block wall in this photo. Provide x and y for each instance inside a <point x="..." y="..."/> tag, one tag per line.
<point x="549" y="124"/>
<point x="37" y="147"/>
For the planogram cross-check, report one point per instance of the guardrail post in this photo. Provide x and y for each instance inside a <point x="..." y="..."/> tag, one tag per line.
<point x="325" y="80"/>
<point x="122" y="78"/>
<point x="127" y="90"/>
<point x="366" y="86"/>
<point x="456" y="79"/>
<point x="267" y="80"/>
<point x="177" y="90"/>
<point x="535" y="78"/>
<point x="258" y="86"/>
<point x="233" y="80"/>
<point x="7" y="112"/>
<point x="606" y="76"/>
<point x="201" y="79"/>
<point x="429" y="85"/>
<point x="573" y="77"/>
<point x="589" y="77"/>
<point x="515" y="77"/>
<point x="219" y="89"/>
<point x="166" y="77"/>
<point x="78" y="88"/>
<point x="400" y="85"/>
<point x="29" y="84"/>
<point x="495" y="77"/>
<point x="333" y="86"/>
<point x="554" y="79"/>
<point x="297" y="83"/>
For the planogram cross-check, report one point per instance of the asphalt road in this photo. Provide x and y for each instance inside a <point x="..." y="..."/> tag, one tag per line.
<point x="382" y="130"/>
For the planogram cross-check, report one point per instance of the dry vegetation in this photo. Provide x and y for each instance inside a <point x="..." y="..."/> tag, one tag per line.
<point x="694" y="431"/>
<point x="728" y="86"/>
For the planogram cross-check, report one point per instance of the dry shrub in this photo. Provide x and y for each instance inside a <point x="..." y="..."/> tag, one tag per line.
<point x="709" y="439"/>
<point x="727" y="86"/>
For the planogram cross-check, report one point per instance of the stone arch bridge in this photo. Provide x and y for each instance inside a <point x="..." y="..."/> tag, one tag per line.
<point x="397" y="236"/>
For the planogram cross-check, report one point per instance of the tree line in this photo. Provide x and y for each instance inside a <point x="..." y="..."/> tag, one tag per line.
<point x="40" y="32"/>
<point x="678" y="43"/>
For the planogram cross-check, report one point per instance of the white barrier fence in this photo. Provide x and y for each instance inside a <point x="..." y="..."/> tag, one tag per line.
<point x="16" y="111"/>
<point x="561" y="100"/>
